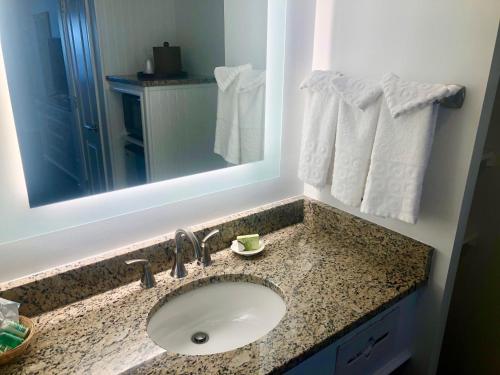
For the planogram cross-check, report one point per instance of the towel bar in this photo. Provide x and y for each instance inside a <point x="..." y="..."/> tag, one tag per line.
<point x="455" y="101"/>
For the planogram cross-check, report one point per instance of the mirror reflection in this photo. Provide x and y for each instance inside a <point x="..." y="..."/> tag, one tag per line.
<point x="110" y="94"/>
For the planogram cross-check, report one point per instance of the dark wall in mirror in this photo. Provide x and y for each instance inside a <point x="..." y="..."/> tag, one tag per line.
<point x="111" y="94"/>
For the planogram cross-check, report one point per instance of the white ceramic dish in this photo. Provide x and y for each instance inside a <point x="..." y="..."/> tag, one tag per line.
<point x="239" y="249"/>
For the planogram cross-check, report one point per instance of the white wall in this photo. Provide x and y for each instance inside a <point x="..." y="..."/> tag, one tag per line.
<point x="449" y="42"/>
<point x="85" y="227"/>
<point x="129" y="29"/>
<point x="245" y="32"/>
<point x="200" y="33"/>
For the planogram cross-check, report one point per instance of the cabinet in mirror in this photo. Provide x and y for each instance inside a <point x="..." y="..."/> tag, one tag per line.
<point x="112" y="94"/>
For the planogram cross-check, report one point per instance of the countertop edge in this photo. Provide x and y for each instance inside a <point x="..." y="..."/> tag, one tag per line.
<point x="346" y="330"/>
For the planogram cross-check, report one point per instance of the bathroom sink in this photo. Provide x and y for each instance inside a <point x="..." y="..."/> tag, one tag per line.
<point x="216" y="318"/>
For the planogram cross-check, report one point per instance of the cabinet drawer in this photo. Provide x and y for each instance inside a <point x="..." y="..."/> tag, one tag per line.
<point x="370" y="348"/>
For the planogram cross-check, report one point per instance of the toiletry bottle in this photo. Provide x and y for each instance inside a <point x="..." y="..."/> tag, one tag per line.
<point x="149" y="67"/>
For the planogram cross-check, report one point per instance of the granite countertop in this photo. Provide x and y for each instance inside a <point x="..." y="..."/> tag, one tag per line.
<point x="153" y="82"/>
<point x="333" y="270"/>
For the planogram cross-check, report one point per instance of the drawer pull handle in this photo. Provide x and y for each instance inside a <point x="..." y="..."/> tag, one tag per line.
<point x="381" y="338"/>
<point x="372" y="343"/>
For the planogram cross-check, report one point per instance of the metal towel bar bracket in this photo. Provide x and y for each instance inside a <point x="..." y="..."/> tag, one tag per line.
<point x="455" y="101"/>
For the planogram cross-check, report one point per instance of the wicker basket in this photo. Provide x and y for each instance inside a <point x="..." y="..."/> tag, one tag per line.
<point x="11" y="355"/>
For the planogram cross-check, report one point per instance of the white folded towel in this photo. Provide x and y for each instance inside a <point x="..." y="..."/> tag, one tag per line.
<point x="226" y="75"/>
<point x="402" y="147"/>
<point x="358" y="117"/>
<point x="319" y="129"/>
<point x="227" y="132"/>
<point x="251" y="115"/>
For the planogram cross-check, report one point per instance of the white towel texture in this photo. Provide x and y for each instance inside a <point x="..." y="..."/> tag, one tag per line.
<point x="251" y="115"/>
<point x="239" y="135"/>
<point x="357" y="123"/>
<point x="319" y="128"/>
<point x="226" y="75"/>
<point x="402" y="147"/>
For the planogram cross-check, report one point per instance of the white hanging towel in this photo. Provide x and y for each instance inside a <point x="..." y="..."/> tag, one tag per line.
<point x="358" y="116"/>
<point x="319" y="129"/>
<point x="251" y="115"/>
<point x="227" y="133"/>
<point x="402" y="148"/>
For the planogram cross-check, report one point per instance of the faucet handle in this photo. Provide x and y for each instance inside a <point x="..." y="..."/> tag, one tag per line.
<point x="206" y="259"/>
<point x="148" y="280"/>
<point x="210" y="235"/>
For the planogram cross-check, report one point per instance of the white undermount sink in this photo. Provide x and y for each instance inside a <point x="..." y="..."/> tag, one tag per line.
<point x="216" y="318"/>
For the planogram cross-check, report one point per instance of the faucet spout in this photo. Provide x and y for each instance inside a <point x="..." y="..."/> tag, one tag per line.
<point x="178" y="269"/>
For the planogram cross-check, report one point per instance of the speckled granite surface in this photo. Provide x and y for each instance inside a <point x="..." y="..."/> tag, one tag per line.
<point x="333" y="270"/>
<point x="152" y="82"/>
<point x="60" y="286"/>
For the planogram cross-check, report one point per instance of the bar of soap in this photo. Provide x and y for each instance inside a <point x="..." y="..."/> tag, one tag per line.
<point x="251" y="241"/>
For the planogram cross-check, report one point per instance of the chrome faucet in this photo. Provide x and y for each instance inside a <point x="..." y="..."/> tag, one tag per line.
<point x="201" y="253"/>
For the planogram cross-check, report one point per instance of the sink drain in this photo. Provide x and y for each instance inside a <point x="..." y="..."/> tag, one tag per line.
<point x="199" y="338"/>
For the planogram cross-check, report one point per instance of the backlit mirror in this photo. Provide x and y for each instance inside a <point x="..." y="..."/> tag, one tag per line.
<point x="111" y="94"/>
